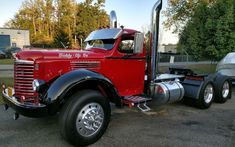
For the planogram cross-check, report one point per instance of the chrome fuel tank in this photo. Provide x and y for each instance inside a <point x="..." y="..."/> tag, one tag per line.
<point x="167" y="92"/>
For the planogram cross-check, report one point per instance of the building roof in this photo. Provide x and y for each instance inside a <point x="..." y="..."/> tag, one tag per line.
<point x="14" y="29"/>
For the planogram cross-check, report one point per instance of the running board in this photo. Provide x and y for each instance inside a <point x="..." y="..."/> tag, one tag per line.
<point x="138" y="101"/>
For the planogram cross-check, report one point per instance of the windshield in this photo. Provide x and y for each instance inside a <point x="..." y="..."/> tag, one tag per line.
<point x="229" y="58"/>
<point x="106" y="44"/>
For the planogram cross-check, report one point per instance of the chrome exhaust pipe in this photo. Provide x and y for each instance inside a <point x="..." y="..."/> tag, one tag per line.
<point x="155" y="20"/>
<point x="113" y="19"/>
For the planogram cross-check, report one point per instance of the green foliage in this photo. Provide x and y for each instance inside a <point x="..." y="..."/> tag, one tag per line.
<point x="179" y="12"/>
<point x="90" y="17"/>
<point x="62" y="40"/>
<point x="6" y="61"/>
<point x="209" y="33"/>
<point x="46" y="19"/>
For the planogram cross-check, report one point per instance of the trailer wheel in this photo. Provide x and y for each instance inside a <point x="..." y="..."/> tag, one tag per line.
<point x="84" y="119"/>
<point x="223" y="89"/>
<point x="206" y="95"/>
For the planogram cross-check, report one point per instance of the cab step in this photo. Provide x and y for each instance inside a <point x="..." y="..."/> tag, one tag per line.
<point x="138" y="101"/>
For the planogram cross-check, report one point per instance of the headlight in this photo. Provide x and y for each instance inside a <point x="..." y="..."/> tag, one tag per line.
<point x="37" y="84"/>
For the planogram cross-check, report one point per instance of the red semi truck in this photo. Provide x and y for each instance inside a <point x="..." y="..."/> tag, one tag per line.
<point x="114" y="68"/>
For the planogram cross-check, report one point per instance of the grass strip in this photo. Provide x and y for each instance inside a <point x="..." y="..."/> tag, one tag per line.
<point x="6" y="61"/>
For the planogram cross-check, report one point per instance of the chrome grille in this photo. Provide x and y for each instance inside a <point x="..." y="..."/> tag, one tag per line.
<point x="24" y="75"/>
<point x="85" y="64"/>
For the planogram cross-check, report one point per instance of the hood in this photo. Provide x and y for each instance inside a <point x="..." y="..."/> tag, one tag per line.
<point x="61" y="54"/>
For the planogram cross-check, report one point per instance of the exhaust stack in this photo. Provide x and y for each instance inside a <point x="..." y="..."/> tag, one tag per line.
<point x="113" y="19"/>
<point x="154" y="38"/>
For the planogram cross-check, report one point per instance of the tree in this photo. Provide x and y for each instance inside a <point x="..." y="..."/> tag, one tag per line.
<point x="209" y="34"/>
<point x="90" y="16"/>
<point x="66" y="10"/>
<point x="62" y="40"/>
<point x="35" y="15"/>
<point x="48" y="19"/>
<point x="179" y="12"/>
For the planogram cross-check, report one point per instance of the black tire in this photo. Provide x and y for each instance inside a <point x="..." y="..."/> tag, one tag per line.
<point x="203" y="102"/>
<point x="69" y="117"/>
<point x="223" y="89"/>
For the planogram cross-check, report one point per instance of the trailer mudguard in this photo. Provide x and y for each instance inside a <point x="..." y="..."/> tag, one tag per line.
<point x="61" y="86"/>
<point x="192" y="88"/>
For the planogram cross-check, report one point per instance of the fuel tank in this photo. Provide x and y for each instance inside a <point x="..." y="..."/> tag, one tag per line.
<point x="167" y="92"/>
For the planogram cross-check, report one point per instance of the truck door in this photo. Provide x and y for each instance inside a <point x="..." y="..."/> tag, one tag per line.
<point x="128" y="69"/>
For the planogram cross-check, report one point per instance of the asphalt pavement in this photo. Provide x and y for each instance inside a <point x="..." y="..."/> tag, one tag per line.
<point x="177" y="125"/>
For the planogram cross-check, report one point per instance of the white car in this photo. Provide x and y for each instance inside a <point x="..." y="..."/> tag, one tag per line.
<point x="227" y="66"/>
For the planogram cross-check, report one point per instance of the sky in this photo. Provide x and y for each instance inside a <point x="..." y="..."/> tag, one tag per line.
<point x="134" y="14"/>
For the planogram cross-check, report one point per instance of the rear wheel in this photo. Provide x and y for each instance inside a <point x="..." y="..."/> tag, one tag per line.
<point x="206" y="95"/>
<point x="85" y="118"/>
<point x="223" y="89"/>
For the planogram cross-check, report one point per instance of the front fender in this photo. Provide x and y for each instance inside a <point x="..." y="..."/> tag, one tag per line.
<point x="63" y="84"/>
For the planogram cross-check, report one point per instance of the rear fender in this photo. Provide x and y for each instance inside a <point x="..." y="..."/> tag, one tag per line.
<point x="192" y="88"/>
<point x="195" y="83"/>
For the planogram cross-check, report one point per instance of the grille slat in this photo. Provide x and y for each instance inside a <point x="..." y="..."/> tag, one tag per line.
<point x="23" y="91"/>
<point x="30" y="95"/>
<point x="24" y="87"/>
<point x="26" y="70"/>
<point x="24" y="84"/>
<point x="85" y="64"/>
<point x="24" y="75"/>
<point x="24" y="78"/>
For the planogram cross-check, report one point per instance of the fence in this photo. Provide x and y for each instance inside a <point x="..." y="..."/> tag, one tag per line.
<point x="171" y="58"/>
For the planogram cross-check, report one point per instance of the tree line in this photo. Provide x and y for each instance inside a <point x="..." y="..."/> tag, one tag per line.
<point x="206" y="27"/>
<point x="59" y="23"/>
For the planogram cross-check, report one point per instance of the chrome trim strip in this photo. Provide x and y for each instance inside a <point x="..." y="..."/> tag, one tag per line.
<point x="24" y="61"/>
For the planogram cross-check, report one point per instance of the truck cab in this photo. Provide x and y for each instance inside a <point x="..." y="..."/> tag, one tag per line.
<point x="115" y="67"/>
<point x="109" y="53"/>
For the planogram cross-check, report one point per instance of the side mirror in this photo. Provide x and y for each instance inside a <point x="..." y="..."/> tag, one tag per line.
<point x="138" y="43"/>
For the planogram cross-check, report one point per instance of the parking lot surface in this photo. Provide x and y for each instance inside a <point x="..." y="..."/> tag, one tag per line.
<point x="177" y="125"/>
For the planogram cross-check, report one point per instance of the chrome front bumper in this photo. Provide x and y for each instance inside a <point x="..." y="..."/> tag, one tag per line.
<point x="26" y="108"/>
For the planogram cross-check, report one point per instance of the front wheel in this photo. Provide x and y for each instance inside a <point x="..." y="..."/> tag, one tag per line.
<point x="85" y="118"/>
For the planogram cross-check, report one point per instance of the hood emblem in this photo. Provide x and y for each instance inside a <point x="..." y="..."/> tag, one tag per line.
<point x="70" y="55"/>
<point x="65" y="55"/>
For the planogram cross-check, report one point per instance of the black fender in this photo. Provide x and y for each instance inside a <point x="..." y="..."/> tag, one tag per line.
<point x="59" y="89"/>
<point x="193" y="87"/>
<point x="216" y="77"/>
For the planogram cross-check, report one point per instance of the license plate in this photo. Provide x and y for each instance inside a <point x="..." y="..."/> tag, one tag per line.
<point x="10" y="91"/>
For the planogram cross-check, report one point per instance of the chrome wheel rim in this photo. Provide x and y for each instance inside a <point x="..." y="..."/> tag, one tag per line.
<point x="208" y="93"/>
<point x="90" y="119"/>
<point x="225" y="90"/>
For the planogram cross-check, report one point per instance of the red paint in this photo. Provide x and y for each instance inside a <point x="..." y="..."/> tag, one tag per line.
<point x="127" y="75"/>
